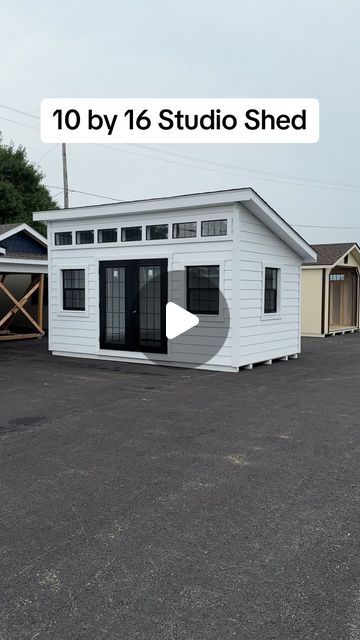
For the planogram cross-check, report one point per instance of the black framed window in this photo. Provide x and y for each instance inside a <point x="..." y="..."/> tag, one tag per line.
<point x="184" y="230"/>
<point x="131" y="234"/>
<point x="73" y="289"/>
<point x="157" y="232"/>
<point x="203" y="289"/>
<point x="107" y="235"/>
<point x="214" y="228"/>
<point x="63" y="237"/>
<point x="271" y="290"/>
<point x="85" y="237"/>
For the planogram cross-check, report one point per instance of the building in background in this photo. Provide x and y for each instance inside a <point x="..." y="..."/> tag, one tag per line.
<point x="330" y="290"/>
<point x="23" y="269"/>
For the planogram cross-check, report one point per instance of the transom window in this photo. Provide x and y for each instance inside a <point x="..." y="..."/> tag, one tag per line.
<point x="335" y="277"/>
<point x="271" y="290"/>
<point x="131" y="234"/>
<point x="63" y="237"/>
<point x="157" y="232"/>
<point x="73" y="289"/>
<point x="107" y="235"/>
<point x="203" y="289"/>
<point x="85" y="237"/>
<point x="214" y="228"/>
<point x="184" y="230"/>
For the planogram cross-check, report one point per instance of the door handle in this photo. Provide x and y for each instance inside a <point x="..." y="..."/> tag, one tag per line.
<point x="134" y="311"/>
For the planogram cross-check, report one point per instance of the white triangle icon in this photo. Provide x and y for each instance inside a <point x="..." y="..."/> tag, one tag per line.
<point x="178" y="320"/>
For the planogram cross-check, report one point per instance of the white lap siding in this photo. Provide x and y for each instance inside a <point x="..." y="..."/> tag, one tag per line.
<point x="211" y="331"/>
<point x="265" y="336"/>
<point x="77" y="333"/>
<point x="73" y="331"/>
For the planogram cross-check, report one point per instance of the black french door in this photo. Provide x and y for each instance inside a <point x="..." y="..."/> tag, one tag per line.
<point x="133" y="297"/>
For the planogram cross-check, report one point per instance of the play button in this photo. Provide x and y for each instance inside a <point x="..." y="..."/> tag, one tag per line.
<point x="189" y="339"/>
<point x="178" y="320"/>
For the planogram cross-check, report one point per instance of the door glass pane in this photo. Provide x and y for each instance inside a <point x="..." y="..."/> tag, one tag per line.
<point x="115" y="305"/>
<point x="150" y="306"/>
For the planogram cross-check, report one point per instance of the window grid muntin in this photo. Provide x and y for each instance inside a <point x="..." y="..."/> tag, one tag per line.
<point x="271" y="287"/>
<point x="203" y="289"/>
<point x="73" y="289"/>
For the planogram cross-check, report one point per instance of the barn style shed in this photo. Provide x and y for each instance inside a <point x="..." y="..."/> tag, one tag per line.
<point x="330" y="290"/>
<point x="225" y="256"/>
<point x="23" y="268"/>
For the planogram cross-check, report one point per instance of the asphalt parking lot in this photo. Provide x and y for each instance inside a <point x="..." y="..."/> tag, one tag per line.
<point x="141" y="502"/>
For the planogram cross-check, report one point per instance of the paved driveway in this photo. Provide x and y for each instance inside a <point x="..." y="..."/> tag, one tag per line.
<point x="140" y="502"/>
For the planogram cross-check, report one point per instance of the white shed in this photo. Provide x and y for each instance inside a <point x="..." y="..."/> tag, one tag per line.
<point x="225" y="256"/>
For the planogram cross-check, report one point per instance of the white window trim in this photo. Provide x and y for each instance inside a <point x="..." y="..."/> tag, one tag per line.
<point x="113" y="243"/>
<point x="73" y="313"/>
<point x="206" y="317"/>
<point x="277" y="314"/>
<point x="85" y="244"/>
<point x="143" y="224"/>
<point x="62" y="246"/>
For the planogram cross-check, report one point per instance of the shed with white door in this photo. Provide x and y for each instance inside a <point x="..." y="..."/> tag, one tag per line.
<point x="225" y="256"/>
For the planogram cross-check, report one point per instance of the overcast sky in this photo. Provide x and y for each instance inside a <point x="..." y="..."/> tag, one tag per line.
<point x="195" y="48"/>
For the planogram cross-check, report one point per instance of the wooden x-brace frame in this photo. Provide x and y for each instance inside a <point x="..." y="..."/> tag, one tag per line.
<point x="19" y="305"/>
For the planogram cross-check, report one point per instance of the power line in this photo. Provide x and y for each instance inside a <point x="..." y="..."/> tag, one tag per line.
<point x="297" y="182"/>
<point x="320" y="226"/>
<point x="22" y="124"/>
<point x="85" y="193"/>
<point x="309" y="182"/>
<point x="24" y="113"/>
<point x="47" y="153"/>
<point x="268" y="176"/>
<point x="247" y="170"/>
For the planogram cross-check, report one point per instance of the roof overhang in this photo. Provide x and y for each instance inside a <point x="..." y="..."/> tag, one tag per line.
<point x="29" y="230"/>
<point x="247" y="197"/>
<point x="16" y="265"/>
<point x="355" y="248"/>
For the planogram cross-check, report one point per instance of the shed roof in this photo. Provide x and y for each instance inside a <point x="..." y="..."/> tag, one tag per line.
<point x="247" y="197"/>
<point x="4" y="228"/>
<point x="8" y="230"/>
<point x="330" y="254"/>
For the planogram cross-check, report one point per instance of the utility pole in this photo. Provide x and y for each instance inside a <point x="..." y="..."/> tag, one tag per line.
<point x="65" y="177"/>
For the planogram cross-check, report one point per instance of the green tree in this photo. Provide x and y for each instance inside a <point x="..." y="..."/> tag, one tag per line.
<point x="21" y="188"/>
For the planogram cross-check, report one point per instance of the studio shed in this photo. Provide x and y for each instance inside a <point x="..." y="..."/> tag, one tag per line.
<point x="225" y="256"/>
<point x="330" y="290"/>
<point x="23" y="269"/>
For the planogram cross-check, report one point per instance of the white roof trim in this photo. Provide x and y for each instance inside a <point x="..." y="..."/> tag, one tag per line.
<point x="355" y="246"/>
<point x="315" y="265"/>
<point x="21" y="261"/>
<point x="24" y="267"/>
<point x="247" y="196"/>
<point x="29" y="230"/>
